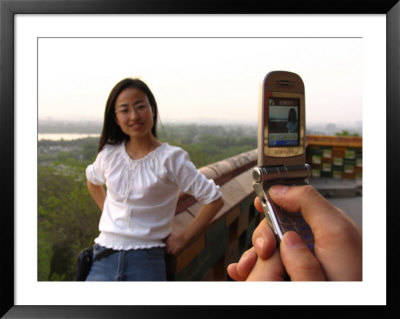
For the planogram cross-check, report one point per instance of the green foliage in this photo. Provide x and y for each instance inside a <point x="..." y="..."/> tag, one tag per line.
<point x="68" y="217"/>
<point x="346" y="133"/>
<point x="207" y="144"/>
<point x="45" y="253"/>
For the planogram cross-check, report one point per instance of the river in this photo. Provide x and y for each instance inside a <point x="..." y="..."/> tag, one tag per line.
<point x="64" y="136"/>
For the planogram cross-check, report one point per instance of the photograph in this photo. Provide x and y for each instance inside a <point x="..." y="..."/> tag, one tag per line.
<point x="144" y="146"/>
<point x="206" y="93"/>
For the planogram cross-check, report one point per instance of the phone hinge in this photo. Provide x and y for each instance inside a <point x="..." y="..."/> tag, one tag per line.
<point x="281" y="173"/>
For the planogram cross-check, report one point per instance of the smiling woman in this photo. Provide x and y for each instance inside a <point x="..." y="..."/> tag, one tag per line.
<point x="127" y="94"/>
<point x="144" y="178"/>
<point x="135" y="116"/>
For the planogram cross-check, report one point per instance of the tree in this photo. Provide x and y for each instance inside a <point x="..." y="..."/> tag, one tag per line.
<point x="67" y="219"/>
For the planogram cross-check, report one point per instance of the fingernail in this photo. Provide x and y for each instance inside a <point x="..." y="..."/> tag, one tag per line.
<point x="293" y="240"/>
<point x="260" y="243"/>
<point x="279" y="189"/>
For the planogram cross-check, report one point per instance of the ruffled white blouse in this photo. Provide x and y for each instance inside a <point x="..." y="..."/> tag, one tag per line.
<point x="142" y="194"/>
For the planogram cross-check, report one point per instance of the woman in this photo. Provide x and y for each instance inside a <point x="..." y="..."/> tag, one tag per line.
<point x="144" y="178"/>
<point x="292" y="124"/>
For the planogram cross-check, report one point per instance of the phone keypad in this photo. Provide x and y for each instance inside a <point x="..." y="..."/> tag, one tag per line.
<point x="294" y="222"/>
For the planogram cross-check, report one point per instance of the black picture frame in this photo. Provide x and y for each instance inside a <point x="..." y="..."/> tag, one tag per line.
<point x="8" y="10"/>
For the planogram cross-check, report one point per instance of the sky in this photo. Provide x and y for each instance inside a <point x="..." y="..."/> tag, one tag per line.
<point x="199" y="79"/>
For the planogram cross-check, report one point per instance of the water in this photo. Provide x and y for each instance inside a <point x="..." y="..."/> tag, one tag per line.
<point x="64" y="136"/>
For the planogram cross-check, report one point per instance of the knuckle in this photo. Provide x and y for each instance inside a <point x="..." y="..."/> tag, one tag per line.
<point x="307" y="265"/>
<point x="309" y="192"/>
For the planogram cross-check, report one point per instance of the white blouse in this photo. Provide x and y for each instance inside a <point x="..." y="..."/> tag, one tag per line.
<point x="142" y="194"/>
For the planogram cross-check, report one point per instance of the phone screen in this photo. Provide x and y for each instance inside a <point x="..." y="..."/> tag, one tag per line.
<point x="283" y="123"/>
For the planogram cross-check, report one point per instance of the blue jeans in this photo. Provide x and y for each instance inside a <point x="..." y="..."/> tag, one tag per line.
<point x="128" y="265"/>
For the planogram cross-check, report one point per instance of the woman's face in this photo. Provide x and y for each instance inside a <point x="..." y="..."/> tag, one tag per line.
<point x="133" y="113"/>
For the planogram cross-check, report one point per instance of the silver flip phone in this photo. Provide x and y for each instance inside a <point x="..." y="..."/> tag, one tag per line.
<point x="282" y="149"/>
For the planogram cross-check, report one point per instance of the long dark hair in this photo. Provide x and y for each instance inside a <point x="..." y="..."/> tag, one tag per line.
<point x="292" y="117"/>
<point x="112" y="133"/>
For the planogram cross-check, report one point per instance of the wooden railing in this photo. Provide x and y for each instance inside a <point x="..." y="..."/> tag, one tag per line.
<point x="229" y="233"/>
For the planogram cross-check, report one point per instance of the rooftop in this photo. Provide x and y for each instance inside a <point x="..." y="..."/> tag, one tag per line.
<point x="343" y="193"/>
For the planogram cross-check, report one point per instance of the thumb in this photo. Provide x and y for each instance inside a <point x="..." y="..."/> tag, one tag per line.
<point x="299" y="262"/>
<point x="316" y="210"/>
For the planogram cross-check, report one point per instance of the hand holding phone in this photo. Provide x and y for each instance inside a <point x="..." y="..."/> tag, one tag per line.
<point x="336" y="235"/>
<point x="281" y="161"/>
<point x="282" y="149"/>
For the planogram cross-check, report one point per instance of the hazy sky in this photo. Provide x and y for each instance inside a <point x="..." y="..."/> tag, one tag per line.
<point x="199" y="79"/>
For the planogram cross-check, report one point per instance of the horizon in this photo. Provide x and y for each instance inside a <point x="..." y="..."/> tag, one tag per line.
<point x="198" y="121"/>
<point x="72" y="129"/>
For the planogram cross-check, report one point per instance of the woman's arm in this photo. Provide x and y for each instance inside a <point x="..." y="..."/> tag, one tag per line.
<point x="176" y="243"/>
<point x="98" y="194"/>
